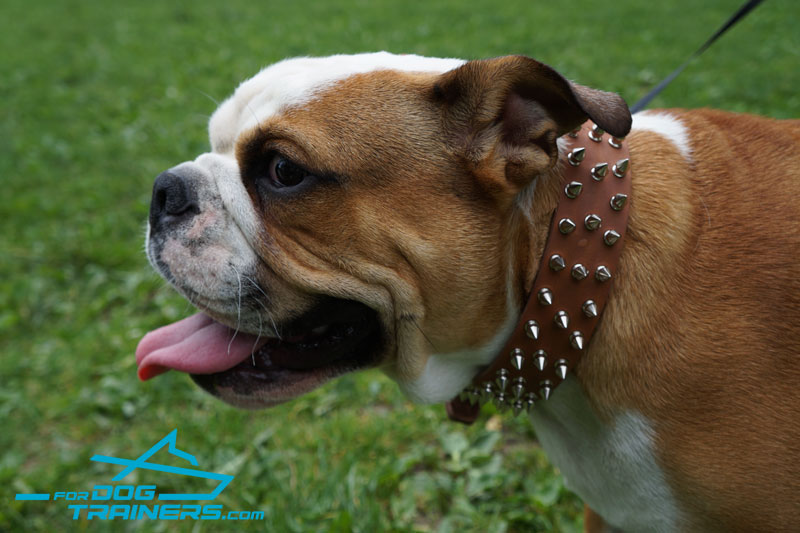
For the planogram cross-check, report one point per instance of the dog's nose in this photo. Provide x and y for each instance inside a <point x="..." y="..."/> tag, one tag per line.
<point x="173" y="200"/>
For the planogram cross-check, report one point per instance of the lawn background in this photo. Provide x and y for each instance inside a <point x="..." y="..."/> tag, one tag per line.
<point x="96" y="98"/>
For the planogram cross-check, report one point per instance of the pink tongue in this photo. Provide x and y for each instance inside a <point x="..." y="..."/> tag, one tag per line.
<point x="196" y="344"/>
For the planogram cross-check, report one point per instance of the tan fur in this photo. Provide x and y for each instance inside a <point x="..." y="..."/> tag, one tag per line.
<point x="702" y="332"/>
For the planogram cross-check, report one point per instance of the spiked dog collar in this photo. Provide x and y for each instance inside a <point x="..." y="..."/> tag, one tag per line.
<point x="572" y="284"/>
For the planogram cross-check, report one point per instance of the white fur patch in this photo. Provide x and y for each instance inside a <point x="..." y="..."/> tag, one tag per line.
<point x="667" y="126"/>
<point x="293" y="82"/>
<point x="612" y="467"/>
<point x="234" y="197"/>
<point x="446" y="375"/>
<point x="209" y="255"/>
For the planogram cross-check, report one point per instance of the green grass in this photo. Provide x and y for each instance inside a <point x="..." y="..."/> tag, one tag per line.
<point x="96" y="99"/>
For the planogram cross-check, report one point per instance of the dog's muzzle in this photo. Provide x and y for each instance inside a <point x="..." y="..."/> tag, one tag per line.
<point x="174" y="200"/>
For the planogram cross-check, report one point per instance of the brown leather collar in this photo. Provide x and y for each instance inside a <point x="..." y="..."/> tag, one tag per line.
<point x="572" y="285"/>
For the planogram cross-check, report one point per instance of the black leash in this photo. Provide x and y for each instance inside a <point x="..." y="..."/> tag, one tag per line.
<point x="739" y="15"/>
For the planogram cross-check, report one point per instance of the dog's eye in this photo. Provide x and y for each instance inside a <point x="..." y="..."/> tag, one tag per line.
<point x="284" y="173"/>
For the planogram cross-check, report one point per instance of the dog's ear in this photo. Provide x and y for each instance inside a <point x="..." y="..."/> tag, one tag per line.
<point x="503" y="116"/>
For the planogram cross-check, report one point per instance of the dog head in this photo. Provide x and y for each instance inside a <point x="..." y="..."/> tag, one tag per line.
<point x="359" y="211"/>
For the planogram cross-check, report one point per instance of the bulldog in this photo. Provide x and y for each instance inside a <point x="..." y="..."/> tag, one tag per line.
<point x="391" y="211"/>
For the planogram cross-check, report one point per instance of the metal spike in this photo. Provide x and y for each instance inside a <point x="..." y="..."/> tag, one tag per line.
<point x="500" y="402"/>
<point x="518" y="388"/>
<point x="573" y="189"/>
<point x="592" y="222"/>
<point x="596" y="133"/>
<point x="530" y="400"/>
<point x="561" y="368"/>
<point x="557" y="263"/>
<point x="616" y="142"/>
<point x="502" y="380"/>
<point x="576" y="340"/>
<point x="610" y="237"/>
<point x="574" y="133"/>
<point x="599" y="171"/>
<point x="566" y="225"/>
<point x="618" y="201"/>
<point x="540" y="359"/>
<point x="579" y="271"/>
<point x="576" y="156"/>
<point x="517" y="358"/>
<point x="517" y="407"/>
<point x="602" y="273"/>
<point x="589" y="308"/>
<point x="532" y="329"/>
<point x="487" y="392"/>
<point x="545" y="296"/>
<point x="545" y="390"/>
<point x="621" y="167"/>
<point x="562" y="319"/>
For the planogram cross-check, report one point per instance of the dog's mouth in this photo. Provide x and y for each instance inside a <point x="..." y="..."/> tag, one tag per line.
<point x="336" y="336"/>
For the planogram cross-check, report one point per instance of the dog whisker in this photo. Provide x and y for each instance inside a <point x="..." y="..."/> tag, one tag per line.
<point x="411" y="318"/>
<point x="264" y="307"/>
<point x="257" y="286"/>
<point x="238" y="308"/>
<point x="258" y="338"/>
<point x="216" y="102"/>
<point x="258" y="123"/>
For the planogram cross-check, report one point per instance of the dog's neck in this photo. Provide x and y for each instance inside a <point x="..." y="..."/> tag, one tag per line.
<point x="578" y="258"/>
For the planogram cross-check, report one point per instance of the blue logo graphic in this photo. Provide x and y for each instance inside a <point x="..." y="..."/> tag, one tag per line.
<point x="135" y="502"/>
<point x="141" y="462"/>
